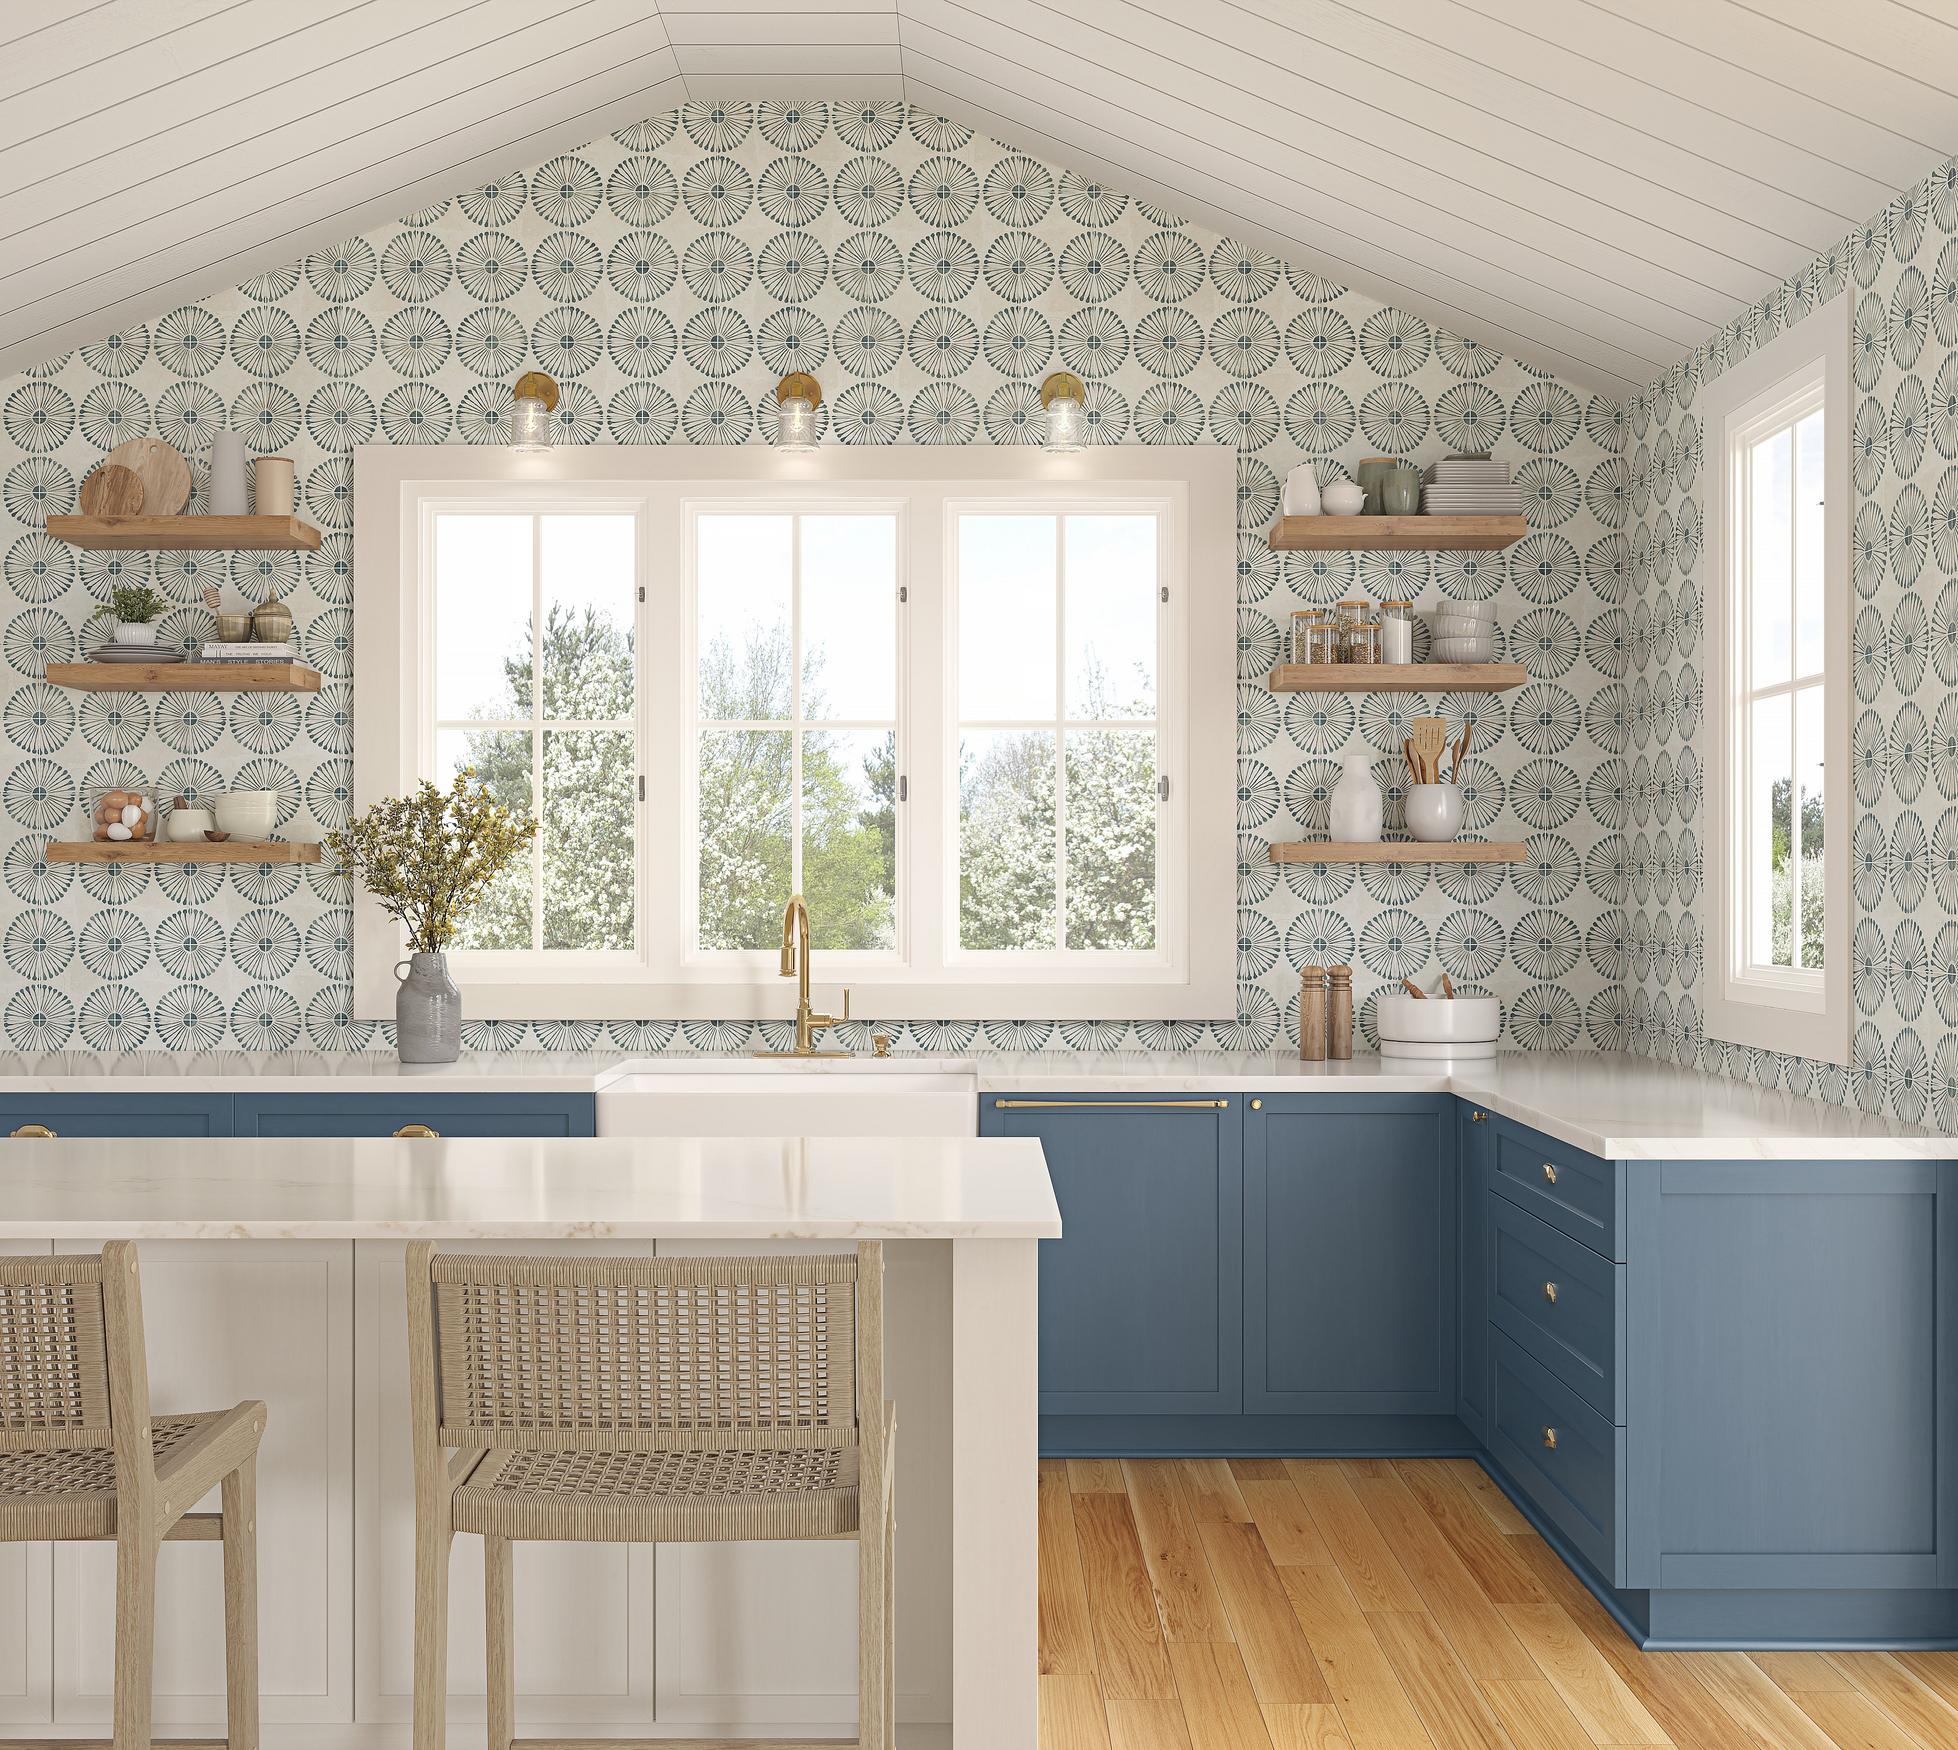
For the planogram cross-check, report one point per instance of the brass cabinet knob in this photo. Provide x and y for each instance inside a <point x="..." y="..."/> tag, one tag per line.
<point x="1478" y="1117"/>
<point x="1550" y="1292"/>
<point x="415" y="1130"/>
<point x="1550" y="1438"/>
<point x="1549" y="1173"/>
<point x="1257" y="1105"/>
<point x="40" y="1130"/>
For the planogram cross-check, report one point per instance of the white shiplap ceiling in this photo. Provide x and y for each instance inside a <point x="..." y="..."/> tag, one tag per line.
<point x="1593" y="184"/>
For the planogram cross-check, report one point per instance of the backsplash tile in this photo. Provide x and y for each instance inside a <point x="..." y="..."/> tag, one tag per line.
<point x="667" y="275"/>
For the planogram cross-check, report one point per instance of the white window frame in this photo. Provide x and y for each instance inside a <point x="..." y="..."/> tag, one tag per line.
<point x="1802" y="1012"/>
<point x="398" y="491"/>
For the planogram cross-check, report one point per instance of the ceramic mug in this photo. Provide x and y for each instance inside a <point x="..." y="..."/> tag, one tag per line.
<point x="1400" y="493"/>
<point x="1434" y="812"/>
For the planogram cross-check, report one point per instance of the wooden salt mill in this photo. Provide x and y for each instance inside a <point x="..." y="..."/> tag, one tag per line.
<point x="1312" y="1014"/>
<point x="1339" y="1011"/>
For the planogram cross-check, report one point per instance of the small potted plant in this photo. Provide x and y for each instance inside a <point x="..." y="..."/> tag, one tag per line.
<point x="427" y="859"/>
<point x="137" y="609"/>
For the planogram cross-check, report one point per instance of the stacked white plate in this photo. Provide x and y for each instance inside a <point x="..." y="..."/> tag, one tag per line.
<point x="1461" y="632"/>
<point x="1469" y="486"/>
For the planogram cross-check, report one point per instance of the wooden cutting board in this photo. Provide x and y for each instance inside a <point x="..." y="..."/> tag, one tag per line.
<point x="112" y="490"/>
<point x="164" y="473"/>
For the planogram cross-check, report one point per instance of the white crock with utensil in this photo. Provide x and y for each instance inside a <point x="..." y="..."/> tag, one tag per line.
<point x="1437" y="1026"/>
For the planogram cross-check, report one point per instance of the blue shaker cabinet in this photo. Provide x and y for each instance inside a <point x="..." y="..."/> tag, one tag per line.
<point x="1349" y="1255"/>
<point x="447" y="1112"/>
<point x="141" y="1114"/>
<point x="1140" y="1298"/>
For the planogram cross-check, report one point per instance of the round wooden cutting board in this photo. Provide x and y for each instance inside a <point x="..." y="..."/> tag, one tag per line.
<point x="164" y="473"/>
<point x="112" y="490"/>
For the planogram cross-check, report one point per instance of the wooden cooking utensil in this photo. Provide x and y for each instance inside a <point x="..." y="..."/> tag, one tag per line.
<point x="1414" y="990"/>
<point x="163" y="471"/>
<point x="1461" y="753"/>
<point x="1430" y="737"/>
<point x="112" y="490"/>
<point x="1413" y="765"/>
<point x="1448" y="987"/>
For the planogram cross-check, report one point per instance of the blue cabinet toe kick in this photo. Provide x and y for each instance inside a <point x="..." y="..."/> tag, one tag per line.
<point x="1365" y="1436"/>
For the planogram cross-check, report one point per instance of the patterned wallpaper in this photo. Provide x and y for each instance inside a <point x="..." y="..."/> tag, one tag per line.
<point x="668" y="275"/>
<point x="1901" y="273"/>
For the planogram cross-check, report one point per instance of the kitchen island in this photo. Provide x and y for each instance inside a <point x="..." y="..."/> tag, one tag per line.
<point x="273" y="1269"/>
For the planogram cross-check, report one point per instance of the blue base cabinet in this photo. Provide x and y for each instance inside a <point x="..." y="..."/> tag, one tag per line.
<point x="1349" y="1255"/>
<point x="447" y="1112"/>
<point x="116" y="1114"/>
<point x="1140" y="1300"/>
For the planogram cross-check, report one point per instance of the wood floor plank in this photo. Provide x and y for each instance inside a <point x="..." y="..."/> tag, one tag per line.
<point x="1361" y="1554"/>
<point x="1764" y="1716"/>
<point x="1186" y="1596"/>
<point x="1481" y="1488"/>
<point x="1146" y="1725"/>
<point x="1306" y="1726"/>
<point x="1450" y="1705"/>
<point x="1535" y="1716"/>
<point x="1258" y="1470"/>
<point x="1122" y="1602"/>
<point x="1275" y="1653"/>
<point x="1220" y="1708"/>
<point x="1214" y="1495"/>
<point x="1485" y="1552"/>
<point x="1096" y="1476"/>
<point x="1071" y="1715"/>
<point x="1283" y="1522"/>
<point x="1938" y="1672"/>
<point x="1913" y="1705"/>
<point x="1854" y="1722"/>
<point x="1664" y="1686"/>
<point x="1465" y="1613"/>
<point x="1590" y="1688"/>
<point x="1371" y="1701"/>
<point x="1799" y="1671"/>
<point x="1067" y="1636"/>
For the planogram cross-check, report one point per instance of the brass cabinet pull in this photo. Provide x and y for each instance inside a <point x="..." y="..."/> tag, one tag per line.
<point x="1550" y="1292"/>
<point x="1478" y="1117"/>
<point x="40" y="1130"/>
<point x="1550" y="1438"/>
<point x="414" y="1130"/>
<point x="1110" y="1105"/>
<point x="1549" y="1173"/>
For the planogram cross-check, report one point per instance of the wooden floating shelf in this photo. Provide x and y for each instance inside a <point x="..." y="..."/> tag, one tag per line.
<point x="1399" y="851"/>
<point x="1388" y="534"/>
<point x="181" y="534"/>
<point x="1396" y="677"/>
<point x="185" y="851"/>
<point x="185" y="677"/>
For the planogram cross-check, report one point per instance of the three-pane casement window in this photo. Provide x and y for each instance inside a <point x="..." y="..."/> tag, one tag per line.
<point x="959" y="716"/>
<point x="1777" y="633"/>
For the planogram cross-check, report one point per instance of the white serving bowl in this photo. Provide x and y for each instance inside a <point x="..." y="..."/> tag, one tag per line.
<point x="1455" y="626"/>
<point x="1449" y="609"/>
<point x="248" y="814"/>
<point x="1469" y="1026"/>
<point x="1462" y="650"/>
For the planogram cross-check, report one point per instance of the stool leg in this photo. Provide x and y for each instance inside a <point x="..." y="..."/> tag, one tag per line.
<point x="873" y="1594"/>
<point x="890" y="1632"/>
<point x="239" y="1501"/>
<point x="499" y="1603"/>
<point x="135" y="1636"/>
<point x="431" y="1632"/>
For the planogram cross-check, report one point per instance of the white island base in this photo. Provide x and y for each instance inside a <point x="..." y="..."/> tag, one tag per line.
<point x="274" y="1270"/>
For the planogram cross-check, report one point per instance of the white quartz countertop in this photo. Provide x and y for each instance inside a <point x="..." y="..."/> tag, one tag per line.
<point x="1615" y="1105"/>
<point x="544" y="1188"/>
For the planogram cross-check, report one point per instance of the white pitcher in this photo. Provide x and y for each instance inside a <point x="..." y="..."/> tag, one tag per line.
<point x="1357" y="808"/>
<point x="1302" y="491"/>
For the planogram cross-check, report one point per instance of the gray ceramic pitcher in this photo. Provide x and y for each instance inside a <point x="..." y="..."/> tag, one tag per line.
<point x="427" y="1011"/>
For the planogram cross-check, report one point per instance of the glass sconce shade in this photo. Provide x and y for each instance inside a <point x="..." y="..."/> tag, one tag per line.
<point x="533" y="401"/>
<point x="1064" y="398"/>
<point x="797" y="397"/>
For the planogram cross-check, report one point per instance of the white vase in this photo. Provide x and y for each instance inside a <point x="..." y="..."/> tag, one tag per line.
<point x="1356" y="810"/>
<point x="135" y="631"/>
<point x="1434" y="812"/>
<point x="228" y="494"/>
<point x="1302" y="491"/>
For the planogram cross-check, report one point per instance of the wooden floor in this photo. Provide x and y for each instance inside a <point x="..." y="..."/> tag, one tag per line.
<point x="1324" y="1604"/>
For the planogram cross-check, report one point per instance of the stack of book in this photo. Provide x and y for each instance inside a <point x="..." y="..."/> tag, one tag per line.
<point x="281" y="652"/>
<point x="1469" y="486"/>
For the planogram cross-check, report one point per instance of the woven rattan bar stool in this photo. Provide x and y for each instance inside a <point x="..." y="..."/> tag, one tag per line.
<point x="82" y="1458"/>
<point x="646" y="1400"/>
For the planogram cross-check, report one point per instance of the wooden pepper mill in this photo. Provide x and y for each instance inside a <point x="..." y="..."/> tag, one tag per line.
<point x="1339" y="1011"/>
<point x="1312" y="1014"/>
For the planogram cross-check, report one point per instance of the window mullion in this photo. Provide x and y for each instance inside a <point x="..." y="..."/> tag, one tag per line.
<point x="1060" y="733"/>
<point x="795" y="703"/>
<point x="537" y="730"/>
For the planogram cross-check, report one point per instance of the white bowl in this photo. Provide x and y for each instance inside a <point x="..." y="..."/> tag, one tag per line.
<point x="1462" y="650"/>
<point x="1449" y="609"/>
<point x="247" y="814"/>
<point x="1403" y="1019"/>
<point x="1455" y="626"/>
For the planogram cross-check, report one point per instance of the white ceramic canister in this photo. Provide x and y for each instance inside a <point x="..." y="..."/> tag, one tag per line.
<point x="228" y="495"/>
<point x="1356" y="810"/>
<point x="272" y="484"/>
<point x="1302" y="491"/>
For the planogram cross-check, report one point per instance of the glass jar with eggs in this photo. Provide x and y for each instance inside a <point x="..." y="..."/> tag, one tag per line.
<point x="124" y="817"/>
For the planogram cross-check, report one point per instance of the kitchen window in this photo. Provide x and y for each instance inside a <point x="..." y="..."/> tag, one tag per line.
<point x="1778" y="631"/>
<point x="982" y="721"/>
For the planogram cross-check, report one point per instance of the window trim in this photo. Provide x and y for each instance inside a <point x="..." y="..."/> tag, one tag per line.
<point x="393" y="662"/>
<point x="1791" y="1012"/>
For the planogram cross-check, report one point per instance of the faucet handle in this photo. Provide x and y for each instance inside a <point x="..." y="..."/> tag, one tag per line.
<point x="846" y="1004"/>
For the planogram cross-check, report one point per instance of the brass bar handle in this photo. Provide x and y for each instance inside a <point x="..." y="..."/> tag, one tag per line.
<point x="1550" y="1292"/>
<point x="418" y="1130"/>
<point x="1549" y="1173"/>
<point x="1110" y="1105"/>
<point x="1550" y="1438"/>
<point x="37" y="1130"/>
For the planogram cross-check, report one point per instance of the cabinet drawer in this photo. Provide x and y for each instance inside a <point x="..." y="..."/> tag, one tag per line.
<point x="1561" y="1303"/>
<point x="116" y="1114"/>
<point x="1561" y="1453"/>
<point x="447" y="1114"/>
<point x="1572" y="1191"/>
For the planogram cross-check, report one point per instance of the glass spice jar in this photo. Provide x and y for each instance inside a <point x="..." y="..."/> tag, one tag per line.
<point x="1397" y="632"/>
<point x="1303" y="621"/>
<point x="1346" y="616"/>
<point x="1363" y="642"/>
